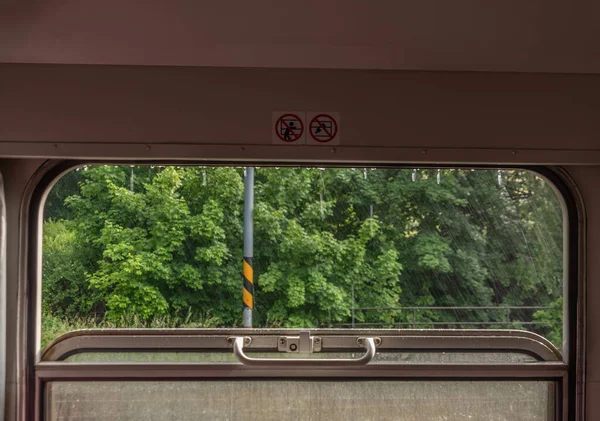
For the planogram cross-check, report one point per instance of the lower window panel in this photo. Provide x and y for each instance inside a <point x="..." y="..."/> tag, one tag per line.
<point x="311" y="400"/>
<point x="380" y="357"/>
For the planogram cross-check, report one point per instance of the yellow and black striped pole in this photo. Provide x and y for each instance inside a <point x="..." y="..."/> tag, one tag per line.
<point x="248" y="273"/>
<point x="248" y="293"/>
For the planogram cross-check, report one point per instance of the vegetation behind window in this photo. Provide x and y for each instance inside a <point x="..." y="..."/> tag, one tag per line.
<point x="161" y="246"/>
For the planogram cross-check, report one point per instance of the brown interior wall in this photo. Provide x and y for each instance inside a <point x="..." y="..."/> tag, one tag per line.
<point x="57" y="104"/>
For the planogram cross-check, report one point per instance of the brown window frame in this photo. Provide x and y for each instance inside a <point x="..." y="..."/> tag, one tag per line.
<point x="567" y="373"/>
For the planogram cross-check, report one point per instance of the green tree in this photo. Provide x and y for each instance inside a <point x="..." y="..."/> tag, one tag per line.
<point x="164" y="241"/>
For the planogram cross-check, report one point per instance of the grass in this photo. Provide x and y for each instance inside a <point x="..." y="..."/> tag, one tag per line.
<point x="54" y="326"/>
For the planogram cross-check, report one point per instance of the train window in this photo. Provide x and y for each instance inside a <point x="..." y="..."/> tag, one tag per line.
<point x="441" y="286"/>
<point x="154" y="246"/>
<point x="299" y="400"/>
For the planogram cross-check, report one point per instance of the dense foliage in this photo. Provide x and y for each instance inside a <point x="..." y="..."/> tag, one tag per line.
<point x="165" y="242"/>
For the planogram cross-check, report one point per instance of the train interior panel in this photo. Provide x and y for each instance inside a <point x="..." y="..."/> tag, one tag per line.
<point x="299" y="211"/>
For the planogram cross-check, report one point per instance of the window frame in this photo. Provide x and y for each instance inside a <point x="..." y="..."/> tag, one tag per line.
<point x="3" y="289"/>
<point x="226" y="372"/>
<point x="38" y="371"/>
<point x="405" y="340"/>
<point x="550" y="369"/>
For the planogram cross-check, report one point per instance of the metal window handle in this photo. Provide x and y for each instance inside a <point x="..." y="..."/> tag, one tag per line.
<point x="369" y="344"/>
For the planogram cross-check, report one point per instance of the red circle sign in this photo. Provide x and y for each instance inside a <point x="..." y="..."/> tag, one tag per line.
<point x="323" y="128"/>
<point x="289" y="128"/>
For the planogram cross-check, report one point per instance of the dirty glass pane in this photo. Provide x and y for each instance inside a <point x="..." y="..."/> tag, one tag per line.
<point x="300" y="400"/>
<point x="380" y="357"/>
<point x="162" y="246"/>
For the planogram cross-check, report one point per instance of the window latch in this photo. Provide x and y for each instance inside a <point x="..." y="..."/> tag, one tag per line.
<point x="304" y="343"/>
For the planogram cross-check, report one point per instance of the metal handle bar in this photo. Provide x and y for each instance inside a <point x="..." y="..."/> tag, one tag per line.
<point x="238" y="350"/>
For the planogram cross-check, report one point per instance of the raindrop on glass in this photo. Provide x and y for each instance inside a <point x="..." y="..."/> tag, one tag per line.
<point x="371" y="219"/>
<point x="321" y="206"/>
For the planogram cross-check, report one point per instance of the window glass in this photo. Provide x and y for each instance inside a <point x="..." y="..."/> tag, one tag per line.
<point x="162" y="246"/>
<point x="300" y="400"/>
<point x="380" y="357"/>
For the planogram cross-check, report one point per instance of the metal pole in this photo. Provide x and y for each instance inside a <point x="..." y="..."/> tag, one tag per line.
<point x="248" y="273"/>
